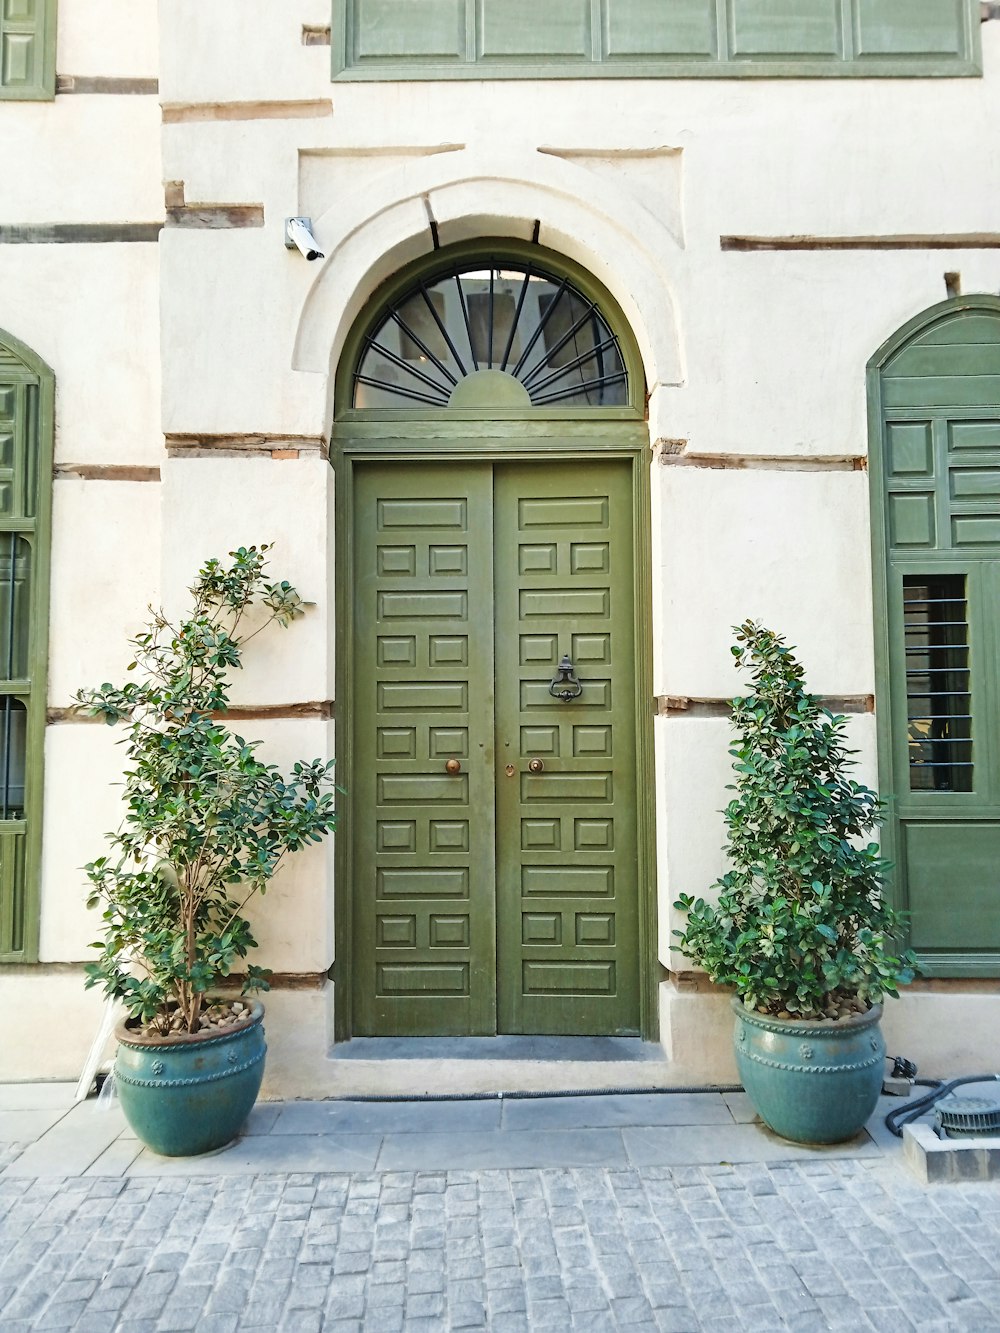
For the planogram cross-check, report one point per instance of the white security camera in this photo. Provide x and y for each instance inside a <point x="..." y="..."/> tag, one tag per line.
<point x="299" y="236"/>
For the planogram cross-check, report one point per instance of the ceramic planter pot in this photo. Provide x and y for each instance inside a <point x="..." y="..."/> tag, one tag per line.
<point x="184" y="1095"/>
<point x="811" y="1082"/>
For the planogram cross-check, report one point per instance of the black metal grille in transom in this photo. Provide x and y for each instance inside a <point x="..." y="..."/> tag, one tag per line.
<point x="938" y="682"/>
<point x="491" y="315"/>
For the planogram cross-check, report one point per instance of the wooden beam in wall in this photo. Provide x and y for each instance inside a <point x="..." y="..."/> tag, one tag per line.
<point x="979" y="240"/>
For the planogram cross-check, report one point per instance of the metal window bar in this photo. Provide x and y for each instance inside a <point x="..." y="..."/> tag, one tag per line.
<point x="399" y="390"/>
<point x="540" y="328"/>
<point x="552" y="352"/>
<point x="517" y="315"/>
<point x="465" y="315"/>
<point x="938" y="683"/>
<point x="11" y="604"/>
<point x="410" y="370"/>
<point x="578" y="389"/>
<point x="444" y="332"/>
<point x="418" y="342"/>
<point x="578" y="364"/>
<point x="545" y="381"/>
<point x="13" y="731"/>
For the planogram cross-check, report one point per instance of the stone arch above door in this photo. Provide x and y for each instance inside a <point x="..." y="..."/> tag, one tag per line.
<point x="387" y="225"/>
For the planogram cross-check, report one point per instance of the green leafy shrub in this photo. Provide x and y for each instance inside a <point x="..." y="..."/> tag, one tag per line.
<point x="802" y="925"/>
<point x="207" y="823"/>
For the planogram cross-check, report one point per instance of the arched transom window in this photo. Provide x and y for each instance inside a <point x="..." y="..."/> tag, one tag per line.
<point x="491" y="332"/>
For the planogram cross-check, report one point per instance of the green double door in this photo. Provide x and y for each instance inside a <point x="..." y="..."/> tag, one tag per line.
<point x="494" y="824"/>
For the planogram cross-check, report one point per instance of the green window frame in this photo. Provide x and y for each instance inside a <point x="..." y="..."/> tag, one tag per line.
<point x="27" y="50"/>
<point x="26" y="441"/>
<point x="571" y="39"/>
<point x="934" y="402"/>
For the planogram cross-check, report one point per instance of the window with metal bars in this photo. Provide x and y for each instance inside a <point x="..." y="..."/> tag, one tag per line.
<point x="496" y="315"/>
<point x="15" y="592"/>
<point x="938" y="683"/>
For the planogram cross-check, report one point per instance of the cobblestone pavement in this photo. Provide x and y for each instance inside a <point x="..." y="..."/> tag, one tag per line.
<point x="840" y="1244"/>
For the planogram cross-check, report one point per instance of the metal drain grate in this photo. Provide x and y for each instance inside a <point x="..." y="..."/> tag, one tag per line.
<point x="961" y="1117"/>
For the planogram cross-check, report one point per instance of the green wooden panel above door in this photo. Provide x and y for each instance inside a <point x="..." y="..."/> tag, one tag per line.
<point x="27" y="49"/>
<point x="648" y="29"/>
<point x="510" y="30"/>
<point x="769" y="28"/>
<point x="443" y="39"/>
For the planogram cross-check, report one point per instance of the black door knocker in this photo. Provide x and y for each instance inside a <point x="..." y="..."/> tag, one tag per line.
<point x="565" y="686"/>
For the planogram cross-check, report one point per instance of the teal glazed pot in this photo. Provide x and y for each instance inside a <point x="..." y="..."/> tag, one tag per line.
<point x="811" y="1082"/>
<point x="185" y="1095"/>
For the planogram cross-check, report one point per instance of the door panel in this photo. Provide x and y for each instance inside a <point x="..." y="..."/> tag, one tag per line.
<point x="566" y="836"/>
<point x="424" y="897"/>
<point x="485" y="902"/>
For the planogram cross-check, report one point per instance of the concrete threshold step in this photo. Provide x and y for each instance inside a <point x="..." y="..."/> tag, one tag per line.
<point x="466" y="1066"/>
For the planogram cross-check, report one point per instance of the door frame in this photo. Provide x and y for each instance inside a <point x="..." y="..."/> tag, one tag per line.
<point x="522" y="441"/>
<point x="414" y="435"/>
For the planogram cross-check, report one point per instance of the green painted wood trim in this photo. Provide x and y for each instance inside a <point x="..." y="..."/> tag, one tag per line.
<point x="343" y="462"/>
<point x="42" y="88"/>
<point x="482" y="249"/>
<point x="893" y="770"/>
<point x="652" y="970"/>
<point x="33" y="370"/>
<point x="718" y="60"/>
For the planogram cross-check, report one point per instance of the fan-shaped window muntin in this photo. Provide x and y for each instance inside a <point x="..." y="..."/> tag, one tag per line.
<point x="495" y="317"/>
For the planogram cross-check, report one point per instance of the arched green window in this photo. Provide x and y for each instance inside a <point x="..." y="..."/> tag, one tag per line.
<point x="26" y="398"/>
<point x="934" y="393"/>
<point x="483" y="327"/>
<point x="492" y="327"/>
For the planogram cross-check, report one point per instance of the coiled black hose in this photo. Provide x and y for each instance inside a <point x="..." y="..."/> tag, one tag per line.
<point x="910" y="1111"/>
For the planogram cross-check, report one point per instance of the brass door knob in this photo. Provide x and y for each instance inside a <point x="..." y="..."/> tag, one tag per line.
<point x="453" y="766"/>
<point x="535" y="766"/>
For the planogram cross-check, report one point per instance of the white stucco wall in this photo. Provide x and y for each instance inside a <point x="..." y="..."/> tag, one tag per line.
<point x="223" y="332"/>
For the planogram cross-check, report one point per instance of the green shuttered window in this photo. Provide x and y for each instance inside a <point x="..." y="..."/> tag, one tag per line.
<point x="935" y="396"/>
<point x="446" y="39"/>
<point x="27" y="49"/>
<point x="25" y="496"/>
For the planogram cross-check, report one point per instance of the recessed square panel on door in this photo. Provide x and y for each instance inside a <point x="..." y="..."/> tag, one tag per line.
<point x="567" y="890"/>
<point x="421" y="797"/>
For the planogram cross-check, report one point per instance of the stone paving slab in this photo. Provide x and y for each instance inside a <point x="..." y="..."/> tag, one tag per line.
<point x="349" y="1117"/>
<point x="517" y="1148"/>
<point x="78" y="1138"/>
<point x="640" y="1129"/>
<point x="25" y="1126"/>
<point x="704" y="1144"/>
<point x="571" y="1113"/>
<point x="36" y="1096"/>
<point x="271" y="1153"/>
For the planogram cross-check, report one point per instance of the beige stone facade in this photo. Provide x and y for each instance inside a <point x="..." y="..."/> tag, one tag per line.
<point x="195" y="395"/>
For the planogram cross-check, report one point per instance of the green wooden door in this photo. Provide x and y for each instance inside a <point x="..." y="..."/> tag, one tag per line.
<point x="566" y="849"/>
<point x="494" y="898"/>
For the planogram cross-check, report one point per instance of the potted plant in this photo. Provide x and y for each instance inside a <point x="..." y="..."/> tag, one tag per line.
<point x="207" y="823"/>
<point x="801" y="927"/>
